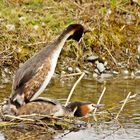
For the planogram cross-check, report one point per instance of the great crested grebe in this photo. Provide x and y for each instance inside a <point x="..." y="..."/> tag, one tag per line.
<point x="43" y="106"/>
<point x="82" y="108"/>
<point x="34" y="75"/>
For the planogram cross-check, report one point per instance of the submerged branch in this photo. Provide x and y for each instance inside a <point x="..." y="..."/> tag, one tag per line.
<point x="18" y="118"/>
<point x="99" y="102"/>
<point x="72" y="74"/>
<point x="123" y="105"/>
<point x="73" y="88"/>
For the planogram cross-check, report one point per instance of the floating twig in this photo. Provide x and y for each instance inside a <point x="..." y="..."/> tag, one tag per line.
<point x="130" y="97"/>
<point x="71" y="92"/>
<point x="3" y="124"/>
<point x="99" y="103"/>
<point x="123" y="105"/>
<point x="72" y="74"/>
<point x="38" y="115"/>
<point x="18" y="118"/>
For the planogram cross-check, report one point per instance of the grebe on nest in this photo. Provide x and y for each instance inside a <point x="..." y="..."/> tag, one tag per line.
<point x="45" y="106"/>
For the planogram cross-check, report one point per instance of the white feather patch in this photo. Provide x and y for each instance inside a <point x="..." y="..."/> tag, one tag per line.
<point x="53" y="63"/>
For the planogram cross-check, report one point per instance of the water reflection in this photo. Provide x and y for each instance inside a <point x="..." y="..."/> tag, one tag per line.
<point x="106" y="134"/>
<point x="2" y="137"/>
<point x="89" y="90"/>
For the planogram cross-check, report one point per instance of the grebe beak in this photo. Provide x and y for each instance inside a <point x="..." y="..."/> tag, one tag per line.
<point x="98" y="105"/>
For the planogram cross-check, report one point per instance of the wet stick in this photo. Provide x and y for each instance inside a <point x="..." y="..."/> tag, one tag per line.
<point x="123" y="105"/>
<point x="72" y="74"/>
<point x="19" y="118"/>
<point x="4" y="124"/>
<point x="73" y="88"/>
<point x="99" y="103"/>
<point x="39" y="115"/>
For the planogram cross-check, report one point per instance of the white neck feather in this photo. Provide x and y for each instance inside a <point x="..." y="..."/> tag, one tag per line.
<point x="53" y="62"/>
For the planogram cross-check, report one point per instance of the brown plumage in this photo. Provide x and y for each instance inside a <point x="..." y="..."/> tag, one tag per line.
<point x="45" y="106"/>
<point x="34" y="75"/>
<point x="42" y="106"/>
<point x="50" y="107"/>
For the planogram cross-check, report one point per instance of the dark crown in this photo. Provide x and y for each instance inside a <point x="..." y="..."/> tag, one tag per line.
<point x="78" y="31"/>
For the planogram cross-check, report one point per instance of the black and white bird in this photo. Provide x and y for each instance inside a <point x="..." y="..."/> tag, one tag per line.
<point x="34" y="75"/>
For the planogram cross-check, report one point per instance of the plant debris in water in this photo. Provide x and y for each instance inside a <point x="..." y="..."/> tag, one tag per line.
<point x="52" y="125"/>
<point x="26" y="26"/>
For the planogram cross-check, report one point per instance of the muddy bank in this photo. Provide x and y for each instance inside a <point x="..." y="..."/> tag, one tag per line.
<point x="114" y="36"/>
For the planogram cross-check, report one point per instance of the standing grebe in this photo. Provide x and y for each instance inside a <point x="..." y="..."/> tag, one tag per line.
<point x="34" y="75"/>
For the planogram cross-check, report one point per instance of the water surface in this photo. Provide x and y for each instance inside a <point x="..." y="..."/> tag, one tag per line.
<point x="90" y="89"/>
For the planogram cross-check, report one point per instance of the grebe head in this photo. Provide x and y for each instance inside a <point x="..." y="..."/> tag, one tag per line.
<point x="81" y="108"/>
<point x="77" y="29"/>
<point x="92" y="106"/>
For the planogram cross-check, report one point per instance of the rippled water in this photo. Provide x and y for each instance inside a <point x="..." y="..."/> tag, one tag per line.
<point x="89" y="90"/>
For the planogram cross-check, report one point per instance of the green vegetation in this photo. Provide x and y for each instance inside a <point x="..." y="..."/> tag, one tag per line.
<point x="26" y="25"/>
